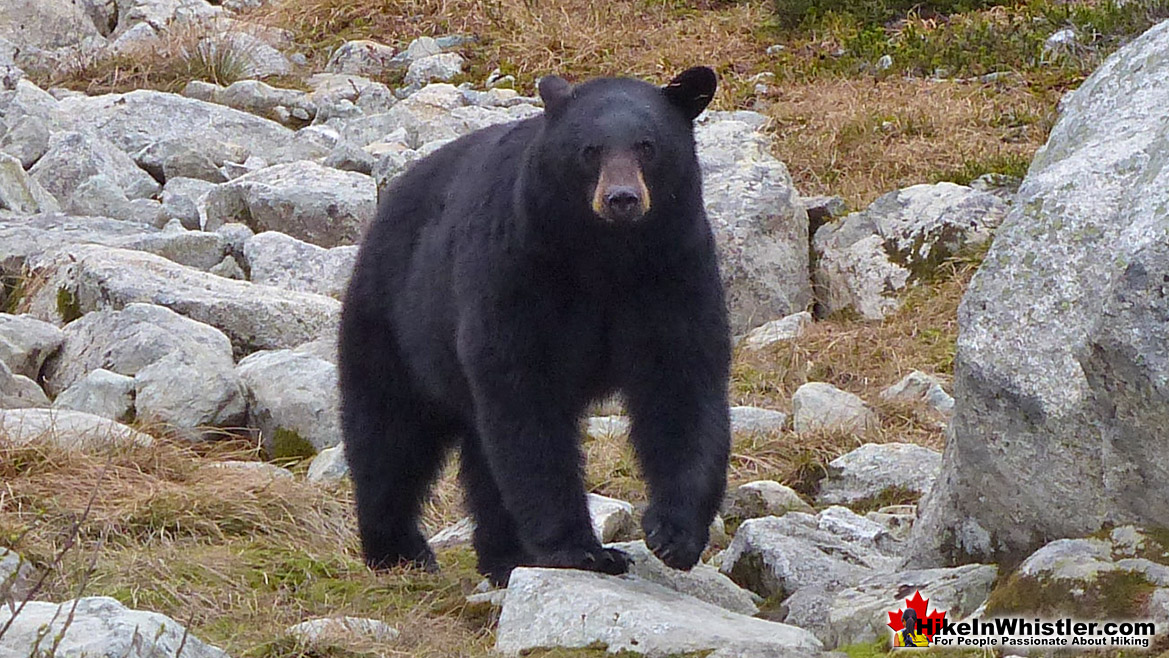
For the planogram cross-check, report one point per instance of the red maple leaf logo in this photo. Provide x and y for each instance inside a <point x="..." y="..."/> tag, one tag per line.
<point x="930" y="623"/>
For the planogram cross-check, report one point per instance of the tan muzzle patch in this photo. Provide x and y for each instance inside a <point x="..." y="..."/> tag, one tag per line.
<point x="621" y="194"/>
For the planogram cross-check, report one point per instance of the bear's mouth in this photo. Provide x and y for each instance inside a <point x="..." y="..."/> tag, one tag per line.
<point x="620" y="194"/>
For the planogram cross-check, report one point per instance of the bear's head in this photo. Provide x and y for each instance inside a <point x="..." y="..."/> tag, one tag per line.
<point x="617" y="145"/>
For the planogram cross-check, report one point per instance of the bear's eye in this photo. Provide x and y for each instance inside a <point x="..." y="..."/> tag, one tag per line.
<point x="591" y="153"/>
<point x="646" y="149"/>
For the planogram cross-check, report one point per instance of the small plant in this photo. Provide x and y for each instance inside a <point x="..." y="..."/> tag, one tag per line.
<point x="221" y="61"/>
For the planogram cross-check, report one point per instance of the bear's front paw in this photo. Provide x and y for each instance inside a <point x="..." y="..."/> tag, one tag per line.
<point x="604" y="560"/>
<point x="675" y="542"/>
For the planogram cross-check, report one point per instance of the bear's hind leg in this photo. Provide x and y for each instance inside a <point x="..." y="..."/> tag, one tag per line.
<point x="395" y="444"/>
<point x="497" y="541"/>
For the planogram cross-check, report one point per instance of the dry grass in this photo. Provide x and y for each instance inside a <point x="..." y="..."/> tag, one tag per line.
<point x="859" y="138"/>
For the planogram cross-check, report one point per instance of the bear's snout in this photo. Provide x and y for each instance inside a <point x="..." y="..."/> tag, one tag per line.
<point x="621" y="194"/>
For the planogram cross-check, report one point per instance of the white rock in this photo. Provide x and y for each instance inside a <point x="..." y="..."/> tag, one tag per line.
<point x="21" y="193"/>
<point x="602" y="427"/>
<point x="328" y="467"/>
<point x="73" y="157"/>
<point x="920" y="387"/>
<point x="785" y="329"/>
<point x="703" y="582"/>
<point x="765" y="498"/>
<point x="67" y="429"/>
<point x="458" y="534"/>
<point x="362" y="57"/>
<point x="817" y="406"/>
<point x="612" y="518"/>
<point x="26" y="342"/>
<point x="317" y="270"/>
<point x="441" y="67"/>
<point x="18" y="391"/>
<point x="755" y="419"/>
<point x="292" y="391"/>
<point x="330" y="630"/>
<point x="101" y="393"/>
<point x="873" y="469"/>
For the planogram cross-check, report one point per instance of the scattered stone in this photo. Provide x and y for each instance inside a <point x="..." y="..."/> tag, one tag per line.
<point x="920" y="387"/>
<point x="84" y="278"/>
<point x="758" y="221"/>
<point x="612" y="519"/>
<point x="817" y="406"/>
<point x="858" y="614"/>
<point x="101" y="393"/>
<point x="866" y="258"/>
<point x="18" y="391"/>
<point x="261" y="471"/>
<point x="896" y="519"/>
<point x="574" y="609"/>
<point x="292" y="396"/>
<point x="305" y="200"/>
<point x="764" y="498"/>
<point x="603" y="427"/>
<point x="102" y="196"/>
<point x="348" y="157"/>
<point x="458" y="534"/>
<point x="441" y="67"/>
<point x="27" y="140"/>
<point x="874" y="470"/>
<point x="98" y="626"/>
<point x="328" y="467"/>
<point x="73" y="430"/>
<point x="182" y="197"/>
<point x="754" y="419"/>
<point x="783" y="330"/>
<point x="776" y="556"/>
<point x="21" y="193"/>
<point x="1062" y="336"/>
<point x="326" y="631"/>
<point x="17" y="578"/>
<point x="362" y="57"/>
<point x="703" y="582"/>
<point x="260" y="99"/>
<point x="317" y="270"/>
<point x="73" y="157"/>
<point x="26" y="342"/>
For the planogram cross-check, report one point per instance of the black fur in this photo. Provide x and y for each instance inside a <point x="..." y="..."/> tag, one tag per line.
<point x="490" y="304"/>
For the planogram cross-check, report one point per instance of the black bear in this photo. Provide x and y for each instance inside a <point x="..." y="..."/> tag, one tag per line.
<point x="514" y="276"/>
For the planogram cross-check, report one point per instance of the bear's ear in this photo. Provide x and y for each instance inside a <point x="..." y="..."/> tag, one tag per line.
<point x="691" y="90"/>
<point x="554" y="91"/>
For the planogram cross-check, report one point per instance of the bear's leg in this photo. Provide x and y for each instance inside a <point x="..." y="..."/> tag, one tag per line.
<point x="681" y="433"/>
<point x="395" y="443"/>
<point x="497" y="540"/>
<point x="536" y="464"/>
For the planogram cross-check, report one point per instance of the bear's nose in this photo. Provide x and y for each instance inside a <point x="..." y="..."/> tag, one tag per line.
<point x="623" y="202"/>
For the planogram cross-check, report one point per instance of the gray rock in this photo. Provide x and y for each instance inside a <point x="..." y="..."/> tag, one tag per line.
<point x="328" y="467"/>
<point x="26" y="342"/>
<point x="783" y="330"/>
<point x="602" y="427"/>
<point x="324" y="206"/>
<point x="896" y="519"/>
<point x="325" y="631"/>
<point x="920" y="387"/>
<point x="817" y="406"/>
<point x="137" y="39"/>
<point x="44" y="23"/>
<point x="189" y="160"/>
<point x="873" y="469"/>
<point x="1059" y="418"/>
<point x="754" y="419"/>
<point x="101" y="393"/>
<point x="229" y="268"/>
<point x="317" y="270"/>
<point x="291" y="391"/>
<point x="1001" y="185"/>
<point x="865" y="259"/>
<point x="17" y="578"/>
<point x="764" y="498"/>
<point x="776" y="556"/>
<point x="27" y="99"/>
<point x="73" y="157"/>
<point x="72" y="430"/>
<point x="195" y="249"/>
<point x="27" y="139"/>
<point x="259" y="98"/>
<point x="348" y="157"/>
<point x="139" y="120"/>
<point x="821" y="209"/>
<point x="362" y="57"/>
<point x="23" y="237"/>
<point x="18" y="391"/>
<point x="182" y="197"/>
<point x="459" y="533"/>
<point x="441" y="67"/>
<point x="98" y="626"/>
<point x="261" y="472"/>
<point x="361" y="95"/>
<point x="21" y="193"/>
<point x="254" y="317"/>
<point x="439" y="111"/>
<point x="759" y="223"/>
<point x="191" y="163"/>
<point x="703" y="582"/>
<point x="102" y="196"/>
<point x="858" y="614"/>
<point x="421" y="47"/>
<point x="574" y="609"/>
<point x="612" y="518"/>
<point x="182" y="370"/>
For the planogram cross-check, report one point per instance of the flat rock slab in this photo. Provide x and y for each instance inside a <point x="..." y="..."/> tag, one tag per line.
<point x="98" y="626"/>
<point x="873" y="469"/>
<point x="703" y="582"/>
<point x="254" y="317"/>
<point x="67" y="429"/>
<point x="547" y="608"/>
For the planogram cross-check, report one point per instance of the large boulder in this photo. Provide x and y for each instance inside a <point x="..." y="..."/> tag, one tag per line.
<point x="1063" y="346"/>
<point x="26" y="342"/>
<point x="292" y="397"/>
<point x="548" y="608"/>
<point x="84" y="278"/>
<point x="758" y="220"/>
<point x="321" y="205"/>
<point x="19" y="192"/>
<point x="876" y="470"/>
<point x="97" y="626"/>
<point x="73" y="157"/>
<point x="71" y="430"/>
<point x="183" y="370"/>
<point x="317" y="270"/>
<point x="44" y="23"/>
